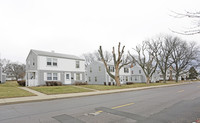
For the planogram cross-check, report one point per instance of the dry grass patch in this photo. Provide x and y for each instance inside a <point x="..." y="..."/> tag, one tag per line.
<point x="103" y="87"/>
<point x="59" y="89"/>
<point x="10" y="89"/>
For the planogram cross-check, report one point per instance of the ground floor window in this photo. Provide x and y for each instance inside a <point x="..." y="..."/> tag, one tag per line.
<point x="52" y="76"/>
<point x="49" y="76"/>
<point x="127" y="78"/>
<point x="78" y="76"/>
<point x="55" y="76"/>
<point x="95" y="79"/>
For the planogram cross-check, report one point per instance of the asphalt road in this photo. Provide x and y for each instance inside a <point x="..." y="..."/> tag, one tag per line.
<point x="177" y="104"/>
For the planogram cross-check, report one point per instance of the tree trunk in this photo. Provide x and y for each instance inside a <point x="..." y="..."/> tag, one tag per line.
<point x="148" y="80"/>
<point x="177" y="77"/>
<point x="117" y="80"/>
<point x="164" y="78"/>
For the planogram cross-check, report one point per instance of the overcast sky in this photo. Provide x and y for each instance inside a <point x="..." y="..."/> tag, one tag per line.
<point x="80" y="26"/>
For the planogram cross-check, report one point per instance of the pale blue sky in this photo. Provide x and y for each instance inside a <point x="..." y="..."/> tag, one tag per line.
<point x="80" y="26"/>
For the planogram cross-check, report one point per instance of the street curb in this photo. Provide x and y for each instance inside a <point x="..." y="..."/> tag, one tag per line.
<point x="17" y="100"/>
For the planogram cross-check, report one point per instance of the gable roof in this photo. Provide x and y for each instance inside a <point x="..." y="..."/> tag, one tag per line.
<point x="58" y="55"/>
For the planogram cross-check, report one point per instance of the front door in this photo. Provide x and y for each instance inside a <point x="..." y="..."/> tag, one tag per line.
<point x="67" y="78"/>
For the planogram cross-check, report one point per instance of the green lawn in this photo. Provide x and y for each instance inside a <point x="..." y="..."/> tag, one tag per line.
<point x="103" y="87"/>
<point x="9" y="89"/>
<point x="59" y="89"/>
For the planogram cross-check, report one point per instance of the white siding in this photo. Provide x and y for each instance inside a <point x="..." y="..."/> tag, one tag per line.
<point x="74" y="76"/>
<point x="62" y="64"/>
<point x="58" y="76"/>
<point x="45" y="76"/>
<point x="80" y="76"/>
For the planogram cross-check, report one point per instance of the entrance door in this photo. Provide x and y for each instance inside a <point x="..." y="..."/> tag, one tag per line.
<point x="67" y="78"/>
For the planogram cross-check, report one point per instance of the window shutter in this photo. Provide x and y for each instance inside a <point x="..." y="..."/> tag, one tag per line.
<point x="80" y="76"/>
<point x="58" y="76"/>
<point x="74" y="76"/>
<point x="45" y="76"/>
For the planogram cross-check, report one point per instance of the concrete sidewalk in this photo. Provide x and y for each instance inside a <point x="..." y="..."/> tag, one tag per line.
<point x="41" y="96"/>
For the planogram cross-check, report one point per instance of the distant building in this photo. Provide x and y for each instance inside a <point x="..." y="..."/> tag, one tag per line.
<point x="2" y="76"/>
<point x="10" y="76"/>
<point x="42" y="66"/>
<point x="171" y="75"/>
<point x="97" y="74"/>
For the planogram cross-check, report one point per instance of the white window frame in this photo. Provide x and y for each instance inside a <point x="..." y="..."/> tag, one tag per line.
<point x="49" y="60"/>
<point x="67" y="77"/>
<point x="55" y="75"/>
<point x="55" y="62"/>
<point x="99" y="68"/>
<point x="95" y="78"/>
<point x="77" y="64"/>
<point x="78" y="76"/>
<point x="49" y="76"/>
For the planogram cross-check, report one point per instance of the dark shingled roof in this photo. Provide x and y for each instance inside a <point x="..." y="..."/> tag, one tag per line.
<point x="53" y="54"/>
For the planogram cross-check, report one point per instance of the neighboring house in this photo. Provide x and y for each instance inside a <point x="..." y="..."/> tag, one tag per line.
<point x="10" y="76"/>
<point x="97" y="74"/>
<point x="2" y="76"/>
<point x="42" y="66"/>
<point x="171" y="75"/>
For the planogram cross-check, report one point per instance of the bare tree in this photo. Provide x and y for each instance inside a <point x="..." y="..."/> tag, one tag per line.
<point x="91" y="57"/>
<point x="4" y="64"/>
<point x="18" y="70"/>
<point x="119" y="62"/>
<point x="182" y="55"/>
<point x="162" y="50"/>
<point x="195" y="16"/>
<point x="145" y="59"/>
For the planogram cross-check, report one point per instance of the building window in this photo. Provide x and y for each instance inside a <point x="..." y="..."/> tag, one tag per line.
<point x="111" y="69"/>
<point x="49" y="61"/>
<point x="33" y="63"/>
<point x="126" y="70"/>
<point x="77" y="76"/>
<point x="127" y="78"/>
<point x="136" y="78"/>
<point x="55" y="76"/>
<point x="90" y="70"/>
<point x="55" y="62"/>
<point x="95" y="79"/>
<point x="89" y="79"/>
<point x="99" y="68"/>
<point x="49" y="76"/>
<point x="67" y="76"/>
<point x="132" y="72"/>
<point x="140" y="71"/>
<point x="77" y="64"/>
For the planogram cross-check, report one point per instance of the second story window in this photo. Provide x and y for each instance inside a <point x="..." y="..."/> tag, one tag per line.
<point x="77" y="64"/>
<point x="52" y="62"/>
<point x="140" y="71"/>
<point x="49" y="60"/>
<point x="55" y="62"/>
<point x="126" y="70"/>
<point x="111" y="69"/>
<point x="99" y="68"/>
